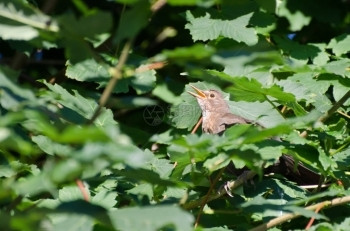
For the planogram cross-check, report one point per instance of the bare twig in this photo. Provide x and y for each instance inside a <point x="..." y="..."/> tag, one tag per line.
<point x="197" y="125"/>
<point x="231" y="185"/>
<point x="82" y="189"/>
<point x="319" y="207"/>
<point x="116" y="75"/>
<point x="335" y="107"/>
<point x="344" y="114"/>
<point x="206" y="197"/>
<point x="281" y="219"/>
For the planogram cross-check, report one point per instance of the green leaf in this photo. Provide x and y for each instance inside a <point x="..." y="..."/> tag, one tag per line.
<point x="105" y="198"/>
<point x="315" y="87"/>
<point x="204" y="28"/>
<point x="121" y="151"/>
<point x="88" y="70"/>
<point x="150" y="218"/>
<point x="143" y="82"/>
<point x="13" y="96"/>
<point x="79" y="104"/>
<point x="163" y="92"/>
<point x="70" y="193"/>
<point x="297" y="19"/>
<point x="252" y="90"/>
<point x="33" y="185"/>
<point x="74" y="222"/>
<point x="132" y="21"/>
<point x="142" y="189"/>
<point x="184" y="54"/>
<point x="66" y="170"/>
<point x="340" y="44"/>
<point x="21" y="21"/>
<point x="50" y="147"/>
<point x="302" y="53"/>
<point x="264" y="23"/>
<point x="338" y="67"/>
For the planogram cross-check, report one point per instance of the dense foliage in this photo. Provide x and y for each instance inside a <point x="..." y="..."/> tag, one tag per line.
<point x="96" y="121"/>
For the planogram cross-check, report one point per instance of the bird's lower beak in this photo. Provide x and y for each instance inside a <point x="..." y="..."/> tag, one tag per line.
<point x="200" y="94"/>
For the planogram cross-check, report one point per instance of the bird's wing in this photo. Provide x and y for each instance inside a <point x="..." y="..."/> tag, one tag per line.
<point x="231" y="119"/>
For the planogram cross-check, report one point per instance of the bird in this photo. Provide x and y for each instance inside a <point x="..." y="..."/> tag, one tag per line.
<point x="217" y="117"/>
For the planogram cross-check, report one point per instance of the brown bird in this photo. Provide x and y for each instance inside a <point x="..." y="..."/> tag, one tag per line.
<point x="217" y="117"/>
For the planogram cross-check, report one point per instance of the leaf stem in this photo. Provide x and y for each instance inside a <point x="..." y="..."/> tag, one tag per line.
<point x="274" y="106"/>
<point x="206" y="197"/>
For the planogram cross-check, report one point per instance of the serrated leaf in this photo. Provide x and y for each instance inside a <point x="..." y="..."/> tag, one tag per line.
<point x="66" y="170"/>
<point x="12" y="96"/>
<point x="251" y="90"/>
<point x="297" y="19"/>
<point x="340" y="44"/>
<point x="217" y="162"/>
<point x="73" y="222"/>
<point x="50" y="147"/>
<point x="315" y="52"/>
<point x="21" y="21"/>
<point x="79" y="104"/>
<point x="121" y="151"/>
<point x="204" y="28"/>
<point x="143" y="82"/>
<point x="88" y="70"/>
<point x="142" y="189"/>
<point x="195" y="52"/>
<point x="70" y="193"/>
<point x="33" y="185"/>
<point x="105" y="198"/>
<point x="151" y="218"/>
<point x="338" y="67"/>
<point x="132" y="21"/>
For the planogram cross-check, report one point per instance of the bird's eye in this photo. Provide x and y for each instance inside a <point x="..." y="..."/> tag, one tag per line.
<point x="212" y="95"/>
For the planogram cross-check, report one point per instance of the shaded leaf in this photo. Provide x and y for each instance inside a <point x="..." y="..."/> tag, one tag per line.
<point x="205" y="28"/>
<point x="151" y="218"/>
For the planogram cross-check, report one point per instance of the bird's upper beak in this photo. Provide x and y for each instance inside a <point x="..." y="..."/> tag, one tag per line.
<point x="200" y="94"/>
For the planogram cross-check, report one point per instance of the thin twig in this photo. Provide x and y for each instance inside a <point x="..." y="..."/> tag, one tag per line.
<point x="197" y="125"/>
<point x="82" y="189"/>
<point x="313" y="218"/>
<point x="206" y="197"/>
<point x="274" y="106"/>
<point x="231" y="185"/>
<point x="281" y="219"/>
<point x="344" y="114"/>
<point x="335" y="107"/>
<point x="116" y="75"/>
<point x="157" y="5"/>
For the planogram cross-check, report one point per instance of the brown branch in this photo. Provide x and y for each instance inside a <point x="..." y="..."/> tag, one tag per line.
<point x="335" y="107"/>
<point x="197" y="125"/>
<point x="231" y="185"/>
<point x="284" y="218"/>
<point x="116" y="75"/>
<point x="206" y="197"/>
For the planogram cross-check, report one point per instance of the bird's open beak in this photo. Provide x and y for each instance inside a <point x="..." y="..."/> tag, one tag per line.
<point x="200" y="94"/>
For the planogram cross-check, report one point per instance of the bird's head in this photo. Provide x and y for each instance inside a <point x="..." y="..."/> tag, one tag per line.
<point x="209" y="100"/>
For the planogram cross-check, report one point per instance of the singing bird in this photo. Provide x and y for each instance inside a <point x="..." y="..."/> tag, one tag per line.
<point x="217" y="117"/>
